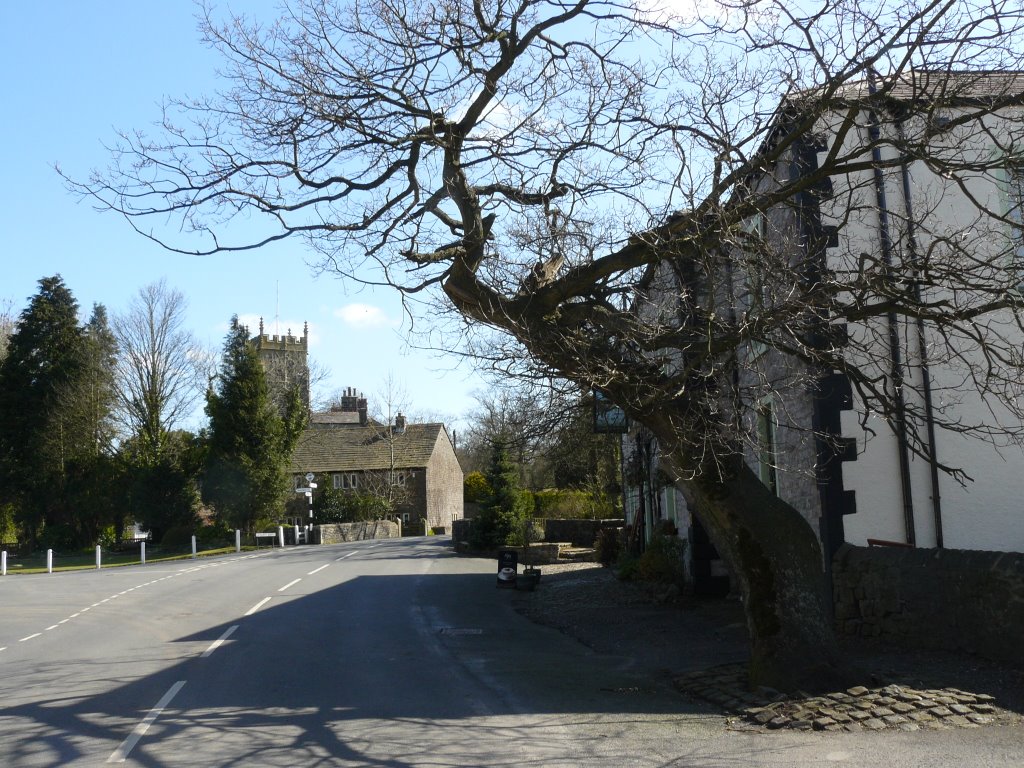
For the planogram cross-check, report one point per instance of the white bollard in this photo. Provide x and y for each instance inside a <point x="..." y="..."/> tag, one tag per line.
<point x="142" y="553"/>
<point x="296" y="535"/>
<point x="3" y="563"/>
<point x="49" y="561"/>
<point x="193" y="547"/>
<point x="238" y="540"/>
<point x="280" y="535"/>
<point x="99" y="562"/>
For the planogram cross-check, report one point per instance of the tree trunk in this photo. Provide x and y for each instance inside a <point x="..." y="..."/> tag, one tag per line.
<point x="776" y="561"/>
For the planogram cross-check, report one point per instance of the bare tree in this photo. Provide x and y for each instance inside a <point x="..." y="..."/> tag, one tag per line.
<point x="583" y="177"/>
<point x="7" y="323"/>
<point x="161" y="370"/>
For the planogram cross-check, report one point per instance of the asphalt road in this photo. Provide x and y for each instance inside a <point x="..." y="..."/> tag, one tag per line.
<point x="391" y="654"/>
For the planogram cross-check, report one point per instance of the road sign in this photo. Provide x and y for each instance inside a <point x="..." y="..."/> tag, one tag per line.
<point x="309" y="477"/>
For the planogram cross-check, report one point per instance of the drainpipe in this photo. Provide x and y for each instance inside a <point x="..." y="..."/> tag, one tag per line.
<point x="926" y="382"/>
<point x="896" y="366"/>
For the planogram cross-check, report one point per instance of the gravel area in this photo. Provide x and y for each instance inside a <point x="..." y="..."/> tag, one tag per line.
<point x="700" y="645"/>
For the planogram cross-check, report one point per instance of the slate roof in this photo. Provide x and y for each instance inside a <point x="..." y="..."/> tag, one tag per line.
<point x="351" y="448"/>
<point x="928" y="85"/>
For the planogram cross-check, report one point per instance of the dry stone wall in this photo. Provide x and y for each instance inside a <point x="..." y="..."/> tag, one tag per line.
<point x="336" y="533"/>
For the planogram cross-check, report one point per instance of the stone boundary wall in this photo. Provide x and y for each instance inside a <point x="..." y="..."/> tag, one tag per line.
<point x="336" y="533"/>
<point x="582" y="533"/>
<point x="932" y="598"/>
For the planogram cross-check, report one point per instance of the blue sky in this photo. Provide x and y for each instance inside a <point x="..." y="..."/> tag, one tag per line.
<point x="74" y="73"/>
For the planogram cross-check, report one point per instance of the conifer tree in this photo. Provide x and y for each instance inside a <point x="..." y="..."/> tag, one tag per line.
<point x="249" y="442"/>
<point x="45" y="359"/>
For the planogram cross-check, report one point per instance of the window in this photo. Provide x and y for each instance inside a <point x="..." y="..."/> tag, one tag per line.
<point x="344" y="480"/>
<point x="766" y="458"/>
<point x="400" y="478"/>
<point x="300" y="482"/>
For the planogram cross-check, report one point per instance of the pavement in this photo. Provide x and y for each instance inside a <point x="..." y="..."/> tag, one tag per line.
<point x="700" y="647"/>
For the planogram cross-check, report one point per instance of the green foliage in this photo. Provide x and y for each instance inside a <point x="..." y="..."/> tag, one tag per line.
<point x="213" y="536"/>
<point x="475" y="487"/>
<point x="608" y="545"/>
<point x="60" y="537"/>
<point x="504" y="510"/>
<point x="250" y="443"/>
<point x="163" y="492"/>
<point x="41" y="426"/>
<point x="662" y="561"/>
<point x="178" y="537"/>
<point x="567" y="504"/>
<point x="336" y="505"/>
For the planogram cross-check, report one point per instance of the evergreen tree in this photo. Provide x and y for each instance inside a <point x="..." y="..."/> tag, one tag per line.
<point x="86" y="418"/>
<point x="249" y="442"/>
<point x="504" y="510"/>
<point x="45" y="360"/>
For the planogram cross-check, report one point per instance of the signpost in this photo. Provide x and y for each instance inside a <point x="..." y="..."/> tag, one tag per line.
<point x="308" y="491"/>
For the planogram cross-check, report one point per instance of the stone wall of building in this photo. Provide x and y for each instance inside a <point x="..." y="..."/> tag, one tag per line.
<point x="336" y="533"/>
<point x="932" y="598"/>
<point x="444" y="489"/>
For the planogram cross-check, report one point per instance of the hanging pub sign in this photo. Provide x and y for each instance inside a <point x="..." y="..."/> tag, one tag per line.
<point x="608" y="417"/>
<point x="508" y="565"/>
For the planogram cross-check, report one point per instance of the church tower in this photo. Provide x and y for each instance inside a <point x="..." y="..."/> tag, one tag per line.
<point x="285" y="363"/>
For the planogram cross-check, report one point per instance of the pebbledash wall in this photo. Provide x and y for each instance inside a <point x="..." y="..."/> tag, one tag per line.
<point x="947" y="599"/>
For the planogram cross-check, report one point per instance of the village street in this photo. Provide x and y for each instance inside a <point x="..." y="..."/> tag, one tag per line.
<point x="391" y="653"/>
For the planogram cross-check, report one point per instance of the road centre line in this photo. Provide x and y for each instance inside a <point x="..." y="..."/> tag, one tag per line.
<point x="258" y="605"/>
<point x="37" y="634"/>
<point x="289" y="584"/>
<point x="344" y="556"/>
<point x="317" y="570"/>
<point x="216" y="643"/>
<point x="120" y="754"/>
<point x="52" y="626"/>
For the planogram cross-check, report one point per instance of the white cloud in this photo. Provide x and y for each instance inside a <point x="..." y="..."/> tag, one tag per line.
<point x="365" y="316"/>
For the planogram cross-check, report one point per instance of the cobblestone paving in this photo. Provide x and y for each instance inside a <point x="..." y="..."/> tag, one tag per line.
<point x="892" y="707"/>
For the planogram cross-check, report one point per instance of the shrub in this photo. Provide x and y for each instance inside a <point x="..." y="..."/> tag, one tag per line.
<point x="475" y="487"/>
<point x="567" y="504"/>
<point x="662" y="561"/>
<point x="213" y="537"/>
<point x="178" y="537"/>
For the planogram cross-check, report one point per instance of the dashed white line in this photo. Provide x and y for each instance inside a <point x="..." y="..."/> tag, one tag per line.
<point x="120" y="754"/>
<point x="344" y="556"/>
<point x="289" y="584"/>
<point x="317" y="570"/>
<point x="37" y="634"/>
<point x="216" y="643"/>
<point x="258" y="605"/>
<point x="52" y="626"/>
<point x="4" y="648"/>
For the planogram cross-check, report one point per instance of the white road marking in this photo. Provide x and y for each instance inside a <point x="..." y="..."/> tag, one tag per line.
<point x="83" y="610"/>
<point x="216" y="643"/>
<point x="120" y="754"/>
<point x="4" y="648"/>
<point x="75" y="615"/>
<point x="64" y="621"/>
<point x="289" y="584"/>
<point x="52" y="626"/>
<point x="258" y="605"/>
<point x="37" y="634"/>
<point x="344" y="556"/>
<point x="317" y="570"/>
